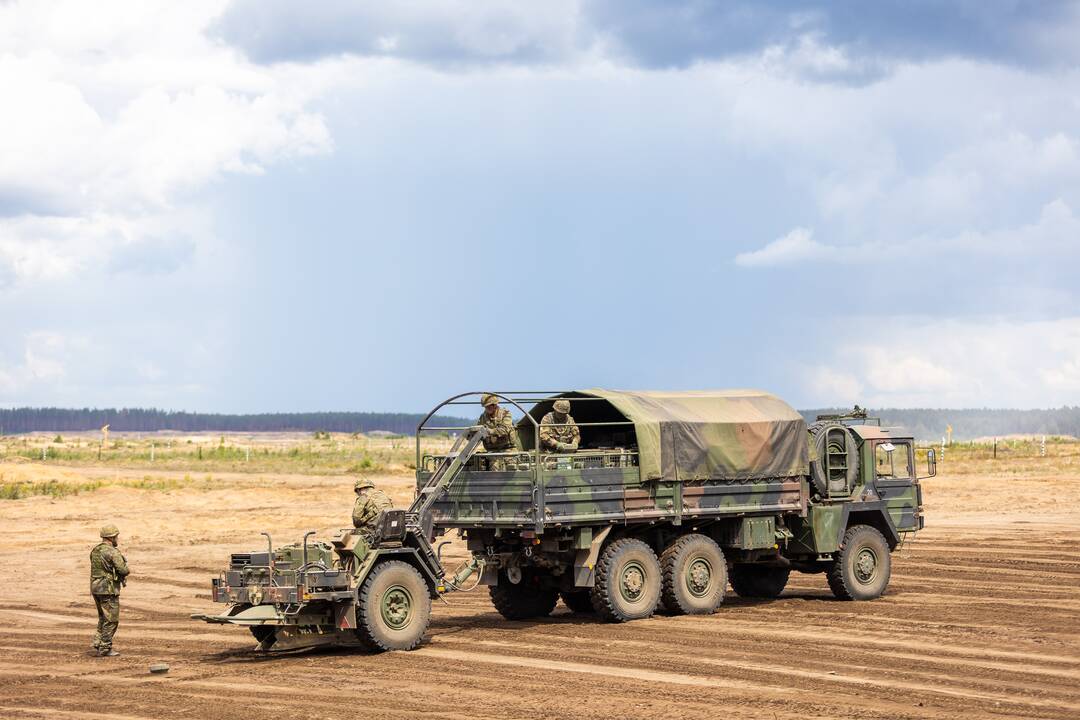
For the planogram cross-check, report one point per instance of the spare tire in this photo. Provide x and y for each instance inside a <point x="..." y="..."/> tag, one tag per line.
<point x="826" y="435"/>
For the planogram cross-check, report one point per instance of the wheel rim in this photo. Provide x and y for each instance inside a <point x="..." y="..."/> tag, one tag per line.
<point x="698" y="577"/>
<point x="865" y="566"/>
<point x="632" y="582"/>
<point x="396" y="607"/>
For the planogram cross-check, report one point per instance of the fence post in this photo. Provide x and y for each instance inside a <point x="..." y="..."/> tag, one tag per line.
<point x="1042" y="447"/>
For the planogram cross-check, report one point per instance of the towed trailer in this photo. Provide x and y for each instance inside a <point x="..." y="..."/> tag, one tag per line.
<point x="669" y="498"/>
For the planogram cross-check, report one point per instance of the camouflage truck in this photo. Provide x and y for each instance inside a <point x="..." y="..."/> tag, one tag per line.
<point x="672" y="495"/>
<point x="668" y="498"/>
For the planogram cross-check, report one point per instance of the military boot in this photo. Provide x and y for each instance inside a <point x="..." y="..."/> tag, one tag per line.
<point x="107" y="653"/>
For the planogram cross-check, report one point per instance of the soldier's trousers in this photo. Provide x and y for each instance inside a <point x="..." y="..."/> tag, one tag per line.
<point x="108" y="613"/>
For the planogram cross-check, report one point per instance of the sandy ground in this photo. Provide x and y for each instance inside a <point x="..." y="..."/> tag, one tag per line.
<point x="982" y="619"/>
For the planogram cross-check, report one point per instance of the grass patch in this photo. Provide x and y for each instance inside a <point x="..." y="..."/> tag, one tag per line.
<point x="17" y="490"/>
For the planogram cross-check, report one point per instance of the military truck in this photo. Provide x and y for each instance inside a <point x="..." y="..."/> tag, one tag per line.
<point x="669" y="497"/>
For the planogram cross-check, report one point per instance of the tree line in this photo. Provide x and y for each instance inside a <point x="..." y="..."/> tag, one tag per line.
<point x="931" y="424"/>
<point x="925" y="423"/>
<point x="28" y="419"/>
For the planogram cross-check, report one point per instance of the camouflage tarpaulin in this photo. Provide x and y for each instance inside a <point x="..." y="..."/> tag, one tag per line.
<point x="713" y="434"/>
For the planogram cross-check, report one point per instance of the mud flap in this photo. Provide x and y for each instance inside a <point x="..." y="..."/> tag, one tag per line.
<point x="345" y="615"/>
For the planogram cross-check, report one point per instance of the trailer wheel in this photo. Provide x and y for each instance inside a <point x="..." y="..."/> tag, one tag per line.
<point x="694" y="575"/>
<point x="579" y="601"/>
<point x="862" y="565"/>
<point x="627" y="581"/>
<point x="526" y="599"/>
<point x="395" y="607"/>
<point x="759" y="581"/>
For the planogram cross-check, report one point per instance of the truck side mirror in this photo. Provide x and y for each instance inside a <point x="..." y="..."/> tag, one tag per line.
<point x="931" y="462"/>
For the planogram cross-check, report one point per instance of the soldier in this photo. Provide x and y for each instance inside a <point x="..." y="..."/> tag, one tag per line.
<point x="502" y="437"/>
<point x="370" y="502"/>
<point x="108" y="573"/>
<point x="558" y="431"/>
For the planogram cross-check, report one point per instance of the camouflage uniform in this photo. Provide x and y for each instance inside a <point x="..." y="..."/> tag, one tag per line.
<point x="108" y="573"/>
<point x="502" y="436"/>
<point x="559" y="439"/>
<point x="368" y="507"/>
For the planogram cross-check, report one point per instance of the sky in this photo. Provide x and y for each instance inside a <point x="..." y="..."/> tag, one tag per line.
<point x="262" y="205"/>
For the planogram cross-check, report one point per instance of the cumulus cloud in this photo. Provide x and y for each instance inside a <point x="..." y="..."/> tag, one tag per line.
<point x="828" y="40"/>
<point x="898" y="361"/>
<point x="1056" y="231"/>
<point x="122" y="111"/>
<point x="797" y="246"/>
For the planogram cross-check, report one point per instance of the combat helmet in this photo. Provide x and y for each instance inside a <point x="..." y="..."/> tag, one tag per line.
<point x="489" y="399"/>
<point x="362" y="484"/>
<point x="561" y="406"/>
<point x="109" y="531"/>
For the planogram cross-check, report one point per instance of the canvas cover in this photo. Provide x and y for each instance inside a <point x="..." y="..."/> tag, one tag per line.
<point x="713" y="434"/>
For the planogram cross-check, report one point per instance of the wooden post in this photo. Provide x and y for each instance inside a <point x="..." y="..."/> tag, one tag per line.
<point x="995" y="448"/>
<point x="151" y="452"/>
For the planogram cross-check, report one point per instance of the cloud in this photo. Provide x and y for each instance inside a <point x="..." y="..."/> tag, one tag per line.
<point x="795" y="247"/>
<point x="830" y="40"/>
<point x="898" y="361"/>
<point x="122" y="114"/>
<point x="441" y="32"/>
<point x="1056" y="232"/>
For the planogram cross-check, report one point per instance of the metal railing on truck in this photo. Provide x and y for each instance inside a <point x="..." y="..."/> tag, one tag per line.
<point x="524" y="459"/>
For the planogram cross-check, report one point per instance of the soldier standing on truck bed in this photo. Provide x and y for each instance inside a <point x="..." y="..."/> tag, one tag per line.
<point x="558" y="431"/>
<point x="370" y="502"/>
<point x="108" y="573"/>
<point x="502" y="436"/>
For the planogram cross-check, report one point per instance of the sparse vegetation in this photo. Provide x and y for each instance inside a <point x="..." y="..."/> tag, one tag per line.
<point x="333" y="454"/>
<point x="17" y="490"/>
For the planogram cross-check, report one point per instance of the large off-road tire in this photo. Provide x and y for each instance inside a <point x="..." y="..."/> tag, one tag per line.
<point x="394" y="608"/>
<point x="579" y="601"/>
<point x="862" y="565"/>
<point x="694" y="575"/>
<point x="527" y="599"/>
<point x="759" y="581"/>
<point x="627" y="581"/>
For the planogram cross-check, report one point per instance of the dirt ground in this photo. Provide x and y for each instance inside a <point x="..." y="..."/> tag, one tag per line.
<point x="982" y="619"/>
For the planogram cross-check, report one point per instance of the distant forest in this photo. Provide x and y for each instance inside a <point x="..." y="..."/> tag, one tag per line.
<point x="929" y="424"/>
<point x="926" y="424"/>
<point x="21" y="420"/>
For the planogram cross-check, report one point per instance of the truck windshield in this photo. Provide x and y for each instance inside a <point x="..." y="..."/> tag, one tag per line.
<point x="893" y="459"/>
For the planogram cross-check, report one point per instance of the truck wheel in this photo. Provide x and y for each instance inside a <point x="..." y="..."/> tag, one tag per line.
<point x="579" y="601"/>
<point x="862" y="565"/>
<point x="627" y="581"/>
<point x="694" y="575"/>
<point x="527" y="599"/>
<point x="759" y="581"/>
<point x="395" y="607"/>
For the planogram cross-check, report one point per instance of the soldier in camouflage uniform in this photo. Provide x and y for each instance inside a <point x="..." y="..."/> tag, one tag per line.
<point x="370" y="502"/>
<point x="502" y="436"/>
<point x="558" y="431"/>
<point x="108" y="573"/>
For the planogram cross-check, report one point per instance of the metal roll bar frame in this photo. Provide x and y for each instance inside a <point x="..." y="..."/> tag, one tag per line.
<point x="531" y="396"/>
